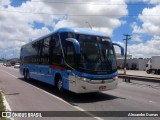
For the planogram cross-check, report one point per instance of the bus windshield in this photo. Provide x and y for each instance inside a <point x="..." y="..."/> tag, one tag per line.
<point x="96" y="53"/>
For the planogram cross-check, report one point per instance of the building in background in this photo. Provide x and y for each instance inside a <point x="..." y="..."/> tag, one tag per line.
<point x="133" y="63"/>
<point x="119" y="56"/>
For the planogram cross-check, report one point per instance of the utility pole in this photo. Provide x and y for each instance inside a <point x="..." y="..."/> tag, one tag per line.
<point x="126" y="39"/>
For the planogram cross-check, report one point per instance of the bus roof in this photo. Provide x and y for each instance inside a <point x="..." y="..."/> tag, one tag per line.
<point x="82" y="31"/>
<point x="75" y="30"/>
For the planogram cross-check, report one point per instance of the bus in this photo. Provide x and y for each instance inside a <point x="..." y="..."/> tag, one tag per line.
<point x="73" y="59"/>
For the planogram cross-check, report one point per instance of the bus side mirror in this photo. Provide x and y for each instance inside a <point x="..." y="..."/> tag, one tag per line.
<point x="122" y="49"/>
<point x="75" y="43"/>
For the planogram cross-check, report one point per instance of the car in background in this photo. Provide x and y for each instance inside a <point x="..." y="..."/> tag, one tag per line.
<point x="8" y="65"/>
<point x="17" y="65"/>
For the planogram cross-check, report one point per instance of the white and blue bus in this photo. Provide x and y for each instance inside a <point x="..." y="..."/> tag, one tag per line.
<point x="74" y="59"/>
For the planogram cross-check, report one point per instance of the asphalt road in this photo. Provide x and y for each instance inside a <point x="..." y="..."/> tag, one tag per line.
<point x="36" y="96"/>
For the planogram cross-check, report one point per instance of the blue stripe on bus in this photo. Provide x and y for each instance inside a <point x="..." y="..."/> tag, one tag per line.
<point x="46" y="74"/>
<point x="96" y="77"/>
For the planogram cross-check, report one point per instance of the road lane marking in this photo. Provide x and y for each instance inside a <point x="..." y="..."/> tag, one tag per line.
<point x="9" y="73"/>
<point x="152" y="101"/>
<point x="11" y="68"/>
<point x="6" y="104"/>
<point x="76" y="107"/>
<point x="88" y="113"/>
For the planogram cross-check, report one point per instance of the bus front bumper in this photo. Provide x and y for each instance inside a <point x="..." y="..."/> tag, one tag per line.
<point x="82" y="86"/>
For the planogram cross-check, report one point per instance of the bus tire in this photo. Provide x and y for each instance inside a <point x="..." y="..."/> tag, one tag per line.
<point x="59" y="84"/>
<point x="27" y="75"/>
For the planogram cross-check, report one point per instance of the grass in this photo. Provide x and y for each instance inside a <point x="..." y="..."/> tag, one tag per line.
<point x="2" y="107"/>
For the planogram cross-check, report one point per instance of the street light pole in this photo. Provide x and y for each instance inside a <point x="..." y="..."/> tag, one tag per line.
<point x="127" y="38"/>
<point x="89" y="25"/>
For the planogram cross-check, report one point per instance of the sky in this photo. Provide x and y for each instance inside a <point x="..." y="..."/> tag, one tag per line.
<point x="22" y="21"/>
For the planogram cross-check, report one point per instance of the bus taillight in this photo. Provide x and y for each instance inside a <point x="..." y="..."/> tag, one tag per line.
<point x="114" y="77"/>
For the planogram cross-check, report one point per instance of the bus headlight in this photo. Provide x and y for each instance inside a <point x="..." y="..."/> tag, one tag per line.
<point x="85" y="79"/>
<point x="82" y="78"/>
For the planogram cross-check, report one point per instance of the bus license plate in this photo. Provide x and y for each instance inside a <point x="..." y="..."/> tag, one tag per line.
<point x="101" y="88"/>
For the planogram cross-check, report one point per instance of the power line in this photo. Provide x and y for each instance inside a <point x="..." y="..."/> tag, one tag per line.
<point x="99" y="3"/>
<point x="20" y="40"/>
<point x="61" y="14"/>
<point x="29" y="12"/>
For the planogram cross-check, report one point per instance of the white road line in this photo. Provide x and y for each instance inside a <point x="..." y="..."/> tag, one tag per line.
<point x="9" y="73"/>
<point x="76" y="107"/>
<point x="11" y="68"/>
<point x="6" y="104"/>
<point x="152" y="101"/>
<point x="88" y="113"/>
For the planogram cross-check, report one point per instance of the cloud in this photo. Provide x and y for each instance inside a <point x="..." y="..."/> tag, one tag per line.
<point x="150" y="21"/>
<point x="137" y="28"/>
<point x="4" y="3"/>
<point x="144" y="50"/>
<point x="101" y="16"/>
<point x="150" y="26"/>
<point x="136" y="38"/>
<point x="17" y="23"/>
<point x="145" y="1"/>
<point x="17" y="28"/>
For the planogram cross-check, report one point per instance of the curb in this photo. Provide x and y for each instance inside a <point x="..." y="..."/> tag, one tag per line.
<point x="140" y="78"/>
<point x="6" y="104"/>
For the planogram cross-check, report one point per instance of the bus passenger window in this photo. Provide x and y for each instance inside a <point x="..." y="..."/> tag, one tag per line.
<point x="56" y="56"/>
<point x="70" y="59"/>
<point x="45" y="50"/>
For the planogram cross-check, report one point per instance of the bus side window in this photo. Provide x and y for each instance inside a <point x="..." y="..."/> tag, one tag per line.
<point x="37" y="49"/>
<point x="56" y="56"/>
<point x="45" y="51"/>
<point x="70" y="58"/>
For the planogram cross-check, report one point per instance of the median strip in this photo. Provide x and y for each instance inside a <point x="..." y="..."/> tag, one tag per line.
<point x="139" y="78"/>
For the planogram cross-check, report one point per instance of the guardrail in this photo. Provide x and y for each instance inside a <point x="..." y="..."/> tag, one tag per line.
<point x="128" y="78"/>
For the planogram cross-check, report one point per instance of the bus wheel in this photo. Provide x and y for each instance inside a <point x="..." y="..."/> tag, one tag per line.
<point x="59" y="84"/>
<point x="27" y="75"/>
